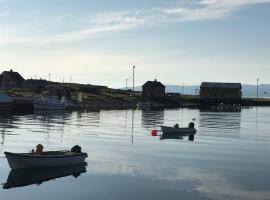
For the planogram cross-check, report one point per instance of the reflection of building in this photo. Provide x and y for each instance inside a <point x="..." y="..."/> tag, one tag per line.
<point x="151" y="119"/>
<point x="6" y="121"/>
<point x="220" y="124"/>
<point x="216" y="93"/>
<point x="153" y="89"/>
<point x="10" y="79"/>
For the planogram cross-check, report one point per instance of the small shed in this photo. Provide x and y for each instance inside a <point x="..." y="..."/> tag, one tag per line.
<point x="153" y="89"/>
<point x="216" y="93"/>
<point x="10" y="79"/>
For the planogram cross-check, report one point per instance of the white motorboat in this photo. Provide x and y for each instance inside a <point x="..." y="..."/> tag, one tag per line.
<point x="45" y="160"/>
<point x="49" y="103"/>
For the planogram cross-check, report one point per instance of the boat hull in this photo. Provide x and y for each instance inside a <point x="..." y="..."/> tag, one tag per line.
<point x="23" y="161"/>
<point x="172" y="130"/>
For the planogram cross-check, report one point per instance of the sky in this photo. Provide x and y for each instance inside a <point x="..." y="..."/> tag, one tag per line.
<point x="173" y="41"/>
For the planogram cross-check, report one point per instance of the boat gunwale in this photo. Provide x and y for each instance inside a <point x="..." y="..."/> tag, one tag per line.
<point x="29" y="155"/>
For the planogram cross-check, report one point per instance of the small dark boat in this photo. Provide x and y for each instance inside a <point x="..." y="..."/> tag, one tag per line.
<point x="25" y="177"/>
<point x="177" y="130"/>
<point x="45" y="160"/>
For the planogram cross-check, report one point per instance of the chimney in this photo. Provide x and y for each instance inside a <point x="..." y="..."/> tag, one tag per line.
<point x="155" y="80"/>
<point x="11" y="70"/>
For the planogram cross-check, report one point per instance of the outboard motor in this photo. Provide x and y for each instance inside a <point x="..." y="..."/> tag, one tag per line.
<point x="191" y="125"/>
<point x="76" y="149"/>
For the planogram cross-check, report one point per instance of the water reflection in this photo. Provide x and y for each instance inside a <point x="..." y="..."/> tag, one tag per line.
<point x="227" y="123"/>
<point x="25" y="177"/>
<point x="5" y="124"/>
<point x="152" y="118"/>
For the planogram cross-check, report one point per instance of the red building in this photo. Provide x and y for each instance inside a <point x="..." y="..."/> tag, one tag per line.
<point x="153" y="89"/>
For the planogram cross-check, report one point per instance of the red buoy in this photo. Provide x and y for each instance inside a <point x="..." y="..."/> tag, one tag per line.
<point x="154" y="132"/>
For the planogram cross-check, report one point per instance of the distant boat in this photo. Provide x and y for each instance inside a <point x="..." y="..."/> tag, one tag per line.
<point x="45" y="160"/>
<point x="144" y="105"/>
<point x="49" y="103"/>
<point x="25" y="177"/>
<point x="5" y="102"/>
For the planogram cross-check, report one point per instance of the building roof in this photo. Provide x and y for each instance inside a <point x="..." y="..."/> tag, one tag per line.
<point x="14" y="75"/>
<point x="154" y="83"/>
<point x="221" y="85"/>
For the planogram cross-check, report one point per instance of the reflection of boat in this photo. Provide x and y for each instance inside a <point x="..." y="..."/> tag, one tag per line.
<point x="5" y="102"/>
<point x="24" y="177"/>
<point x="46" y="159"/>
<point x="173" y="130"/>
<point x="49" y="103"/>
<point x="165" y="136"/>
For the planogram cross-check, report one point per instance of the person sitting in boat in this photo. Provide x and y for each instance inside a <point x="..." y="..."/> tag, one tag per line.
<point x="176" y="126"/>
<point x="39" y="149"/>
<point x="191" y="125"/>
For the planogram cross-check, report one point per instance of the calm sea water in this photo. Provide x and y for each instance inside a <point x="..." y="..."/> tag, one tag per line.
<point x="228" y="159"/>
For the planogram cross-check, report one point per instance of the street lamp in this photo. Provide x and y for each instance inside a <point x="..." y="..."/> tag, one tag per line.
<point x="133" y="77"/>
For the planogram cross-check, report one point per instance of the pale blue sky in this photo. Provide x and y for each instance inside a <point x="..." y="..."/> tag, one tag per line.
<point x="175" y="41"/>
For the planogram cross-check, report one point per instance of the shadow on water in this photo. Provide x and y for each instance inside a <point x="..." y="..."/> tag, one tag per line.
<point x="25" y="177"/>
<point x="152" y="118"/>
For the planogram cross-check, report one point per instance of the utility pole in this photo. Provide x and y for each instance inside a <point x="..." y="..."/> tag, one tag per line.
<point x="257" y="89"/>
<point x="133" y="77"/>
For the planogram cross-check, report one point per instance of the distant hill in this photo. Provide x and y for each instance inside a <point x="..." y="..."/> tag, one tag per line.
<point x="247" y="90"/>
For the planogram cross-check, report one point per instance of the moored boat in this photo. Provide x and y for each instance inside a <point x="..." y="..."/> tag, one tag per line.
<point x="168" y="129"/>
<point x="178" y="130"/>
<point x="49" y="103"/>
<point x="45" y="160"/>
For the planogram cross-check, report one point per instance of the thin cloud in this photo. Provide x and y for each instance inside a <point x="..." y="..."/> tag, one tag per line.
<point x="209" y="9"/>
<point x="110" y="22"/>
